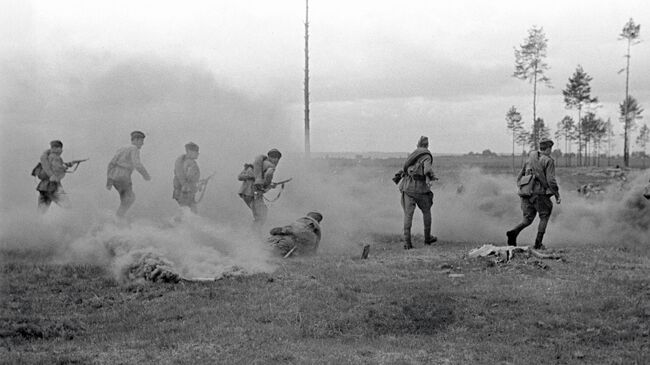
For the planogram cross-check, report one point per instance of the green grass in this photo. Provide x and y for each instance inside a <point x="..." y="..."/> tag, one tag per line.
<point x="397" y="307"/>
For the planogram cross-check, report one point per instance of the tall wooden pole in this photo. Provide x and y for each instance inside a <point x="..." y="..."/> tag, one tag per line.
<point x="307" y="144"/>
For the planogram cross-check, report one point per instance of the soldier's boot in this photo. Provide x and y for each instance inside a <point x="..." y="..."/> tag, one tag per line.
<point x="538" y="241"/>
<point x="407" y="242"/>
<point x="512" y="237"/>
<point x="430" y="239"/>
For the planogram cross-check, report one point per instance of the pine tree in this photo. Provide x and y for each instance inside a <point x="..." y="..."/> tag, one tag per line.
<point x="530" y="64"/>
<point x="577" y="96"/>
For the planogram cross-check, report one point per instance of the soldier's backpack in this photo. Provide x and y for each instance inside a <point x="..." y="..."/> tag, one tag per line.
<point x="416" y="170"/>
<point x="39" y="172"/>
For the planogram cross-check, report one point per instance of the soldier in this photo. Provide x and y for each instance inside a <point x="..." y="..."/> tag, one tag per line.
<point x="415" y="185"/>
<point x="121" y="167"/>
<point x="540" y="170"/>
<point x="186" y="177"/>
<point x="299" y="238"/>
<point x="52" y="170"/>
<point x="257" y="179"/>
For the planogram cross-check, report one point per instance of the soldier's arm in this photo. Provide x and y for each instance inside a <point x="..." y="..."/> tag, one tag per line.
<point x="268" y="176"/>
<point x="550" y="177"/>
<point x="135" y="158"/>
<point x="427" y="165"/>
<point x="58" y="168"/>
<point x="45" y="164"/>
<point x="192" y="173"/>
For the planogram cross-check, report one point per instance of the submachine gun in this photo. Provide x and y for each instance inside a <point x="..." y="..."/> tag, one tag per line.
<point x="273" y="186"/>
<point x="74" y="163"/>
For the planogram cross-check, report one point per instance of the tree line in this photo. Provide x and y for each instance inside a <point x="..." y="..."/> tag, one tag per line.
<point x="588" y="133"/>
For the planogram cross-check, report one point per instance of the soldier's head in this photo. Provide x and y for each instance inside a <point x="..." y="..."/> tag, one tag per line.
<point x="192" y="150"/>
<point x="56" y="146"/>
<point x="316" y="216"/>
<point x="423" y="142"/>
<point x="545" y="145"/>
<point x="137" y="138"/>
<point x="274" y="156"/>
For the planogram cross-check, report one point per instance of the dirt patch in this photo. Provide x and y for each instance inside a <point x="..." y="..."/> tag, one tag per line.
<point x="423" y="314"/>
<point x="40" y="329"/>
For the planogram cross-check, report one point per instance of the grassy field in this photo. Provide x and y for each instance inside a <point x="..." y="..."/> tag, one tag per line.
<point x="431" y="305"/>
<point x="396" y="307"/>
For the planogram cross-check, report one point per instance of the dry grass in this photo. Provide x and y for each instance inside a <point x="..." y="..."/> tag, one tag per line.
<point x="396" y="307"/>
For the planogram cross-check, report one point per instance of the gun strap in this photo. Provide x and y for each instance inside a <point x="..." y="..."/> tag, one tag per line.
<point x="277" y="197"/>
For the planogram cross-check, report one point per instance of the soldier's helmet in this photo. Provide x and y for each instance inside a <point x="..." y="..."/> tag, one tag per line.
<point x="315" y="215"/>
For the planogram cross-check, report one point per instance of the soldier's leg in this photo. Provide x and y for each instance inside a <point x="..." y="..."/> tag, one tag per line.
<point x="425" y="202"/>
<point x="260" y="211"/>
<point x="544" y="207"/>
<point x="528" y="212"/>
<point x="408" y="205"/>
<point x="127" y="198"/>
<point x="44" y="201"/>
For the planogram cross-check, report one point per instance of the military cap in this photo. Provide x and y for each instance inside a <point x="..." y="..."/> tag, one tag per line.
<point x="191" y="146"/>
<point x="137" y="134"/>
<point x="56" y="143"/>
<point x="423" y="141"/>
<point x="274" y="153"/>
<point x="545" y="142"/>
<point x="315" y="215"/>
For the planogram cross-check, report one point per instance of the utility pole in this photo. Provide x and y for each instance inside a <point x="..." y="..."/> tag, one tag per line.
<point x="307" y="144"/>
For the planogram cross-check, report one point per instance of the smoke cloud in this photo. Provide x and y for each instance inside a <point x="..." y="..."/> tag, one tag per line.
<point x="92" y="103"/>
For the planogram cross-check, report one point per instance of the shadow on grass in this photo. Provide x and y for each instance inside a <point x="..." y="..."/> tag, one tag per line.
<point x="421" y="314"/>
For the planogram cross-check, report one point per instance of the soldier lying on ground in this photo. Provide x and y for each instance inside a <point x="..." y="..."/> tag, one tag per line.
<point x="299" y="238"/>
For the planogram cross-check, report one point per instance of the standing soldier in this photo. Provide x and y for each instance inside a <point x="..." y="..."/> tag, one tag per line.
<point x="415" y="185"/>
<point x="121" y="167"/>
<point x="539" y="172"/>
<point x="186" y="177"/>
<point x="51" y="171"/>
<point x="257" y="179"/>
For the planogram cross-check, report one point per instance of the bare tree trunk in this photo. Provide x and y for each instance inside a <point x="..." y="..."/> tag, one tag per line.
<point x="535" y="134"/>
<point x="626" y="148"/>
<point x="307" y="141"/>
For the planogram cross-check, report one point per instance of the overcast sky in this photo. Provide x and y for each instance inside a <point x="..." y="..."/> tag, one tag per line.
<point x="383" y="72"/>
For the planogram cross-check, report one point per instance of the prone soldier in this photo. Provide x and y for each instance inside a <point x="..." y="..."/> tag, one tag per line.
<point x="302" y="237"/>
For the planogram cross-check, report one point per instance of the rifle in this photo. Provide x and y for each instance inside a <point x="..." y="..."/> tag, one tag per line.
<point x="74" y="163"/>
<point x="273" y="185"/>
<point x="281" y="182"/>
<point x="203" y="183"/>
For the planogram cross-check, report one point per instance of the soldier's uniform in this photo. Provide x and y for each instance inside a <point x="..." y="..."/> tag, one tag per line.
<point x="119" y="172"/>
<point x="416" y="177"/>
<point x="257" y="179"/>
<point x="186" y="178"/>
<point x="53" y="171"/>
<point x="302" y="236"/>
<point x="539" y="202"/>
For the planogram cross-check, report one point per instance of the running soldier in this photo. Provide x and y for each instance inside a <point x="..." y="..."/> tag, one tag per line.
<point x="257" y="179"/>
<point x="414" y="181"/>
<point x="51" y="170"/>
<point x="537" y="184"/>
<point x="121" y="167"/>
<point x="186" y="177"/>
